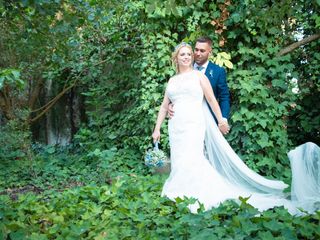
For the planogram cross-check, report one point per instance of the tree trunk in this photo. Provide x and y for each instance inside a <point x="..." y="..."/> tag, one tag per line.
<point x="48" y="116"/>
<point x="72" y="113"/>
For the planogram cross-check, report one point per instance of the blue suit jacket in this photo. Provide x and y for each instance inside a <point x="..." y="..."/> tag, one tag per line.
<point x="217" y="78"/>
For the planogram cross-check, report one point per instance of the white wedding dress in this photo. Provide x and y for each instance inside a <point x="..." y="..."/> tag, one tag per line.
<point x="217" y="174"/>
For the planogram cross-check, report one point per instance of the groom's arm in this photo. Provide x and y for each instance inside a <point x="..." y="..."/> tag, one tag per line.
<point x="224" y="95"/>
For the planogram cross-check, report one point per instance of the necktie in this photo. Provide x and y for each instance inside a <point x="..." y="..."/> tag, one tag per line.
<point x="200" y="68"/>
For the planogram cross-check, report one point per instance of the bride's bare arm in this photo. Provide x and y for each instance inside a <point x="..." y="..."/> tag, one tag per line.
<point x="161" y="116"/>
<point x="214" y="105"/>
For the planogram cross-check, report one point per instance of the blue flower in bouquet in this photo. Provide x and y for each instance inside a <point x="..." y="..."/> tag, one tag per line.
<point x="156" y="157"/>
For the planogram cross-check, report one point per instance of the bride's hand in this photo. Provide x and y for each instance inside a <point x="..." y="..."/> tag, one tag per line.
<point x="224" y="128"/>
<point x="156" y="136"/>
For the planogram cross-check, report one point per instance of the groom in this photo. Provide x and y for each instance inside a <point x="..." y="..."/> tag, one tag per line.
<point x="216" y="76"/>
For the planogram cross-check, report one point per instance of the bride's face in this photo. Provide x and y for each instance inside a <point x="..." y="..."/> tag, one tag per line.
<point x="184" y="57"/>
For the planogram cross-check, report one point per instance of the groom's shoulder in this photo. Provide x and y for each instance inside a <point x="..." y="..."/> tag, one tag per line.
<point x="215" y="66"/>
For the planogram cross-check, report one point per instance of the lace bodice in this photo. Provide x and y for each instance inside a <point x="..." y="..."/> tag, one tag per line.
<point x="185" y="88"/>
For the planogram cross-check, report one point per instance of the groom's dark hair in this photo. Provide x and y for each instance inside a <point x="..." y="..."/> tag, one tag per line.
<point x="205" y="39"/>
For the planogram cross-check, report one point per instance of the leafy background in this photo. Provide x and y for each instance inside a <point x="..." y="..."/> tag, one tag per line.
<point x="114" y="58"/>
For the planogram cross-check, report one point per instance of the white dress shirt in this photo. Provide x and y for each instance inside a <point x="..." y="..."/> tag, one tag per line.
<point x="203" y="70"/>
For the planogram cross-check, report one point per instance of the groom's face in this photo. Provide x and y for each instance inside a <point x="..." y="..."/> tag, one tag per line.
<point x="201" y="53"/>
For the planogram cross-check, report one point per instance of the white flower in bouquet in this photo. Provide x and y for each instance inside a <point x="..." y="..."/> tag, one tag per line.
<point x="156" y="157"/>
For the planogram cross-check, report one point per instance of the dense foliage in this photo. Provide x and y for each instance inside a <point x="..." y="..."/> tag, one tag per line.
<point x="114" y="58"/>
<point x="118" y="57"/>
<point x="64" y="197"/>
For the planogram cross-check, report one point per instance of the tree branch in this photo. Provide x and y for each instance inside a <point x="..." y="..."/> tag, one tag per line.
<point x="295" y="45"/>
<point x="49" y="104"/>
<point x="52" y="102"/>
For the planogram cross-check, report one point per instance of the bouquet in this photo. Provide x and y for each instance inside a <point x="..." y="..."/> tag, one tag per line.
<point x="155" y="157"/>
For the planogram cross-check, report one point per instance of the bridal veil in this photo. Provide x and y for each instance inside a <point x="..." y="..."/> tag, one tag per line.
<point x="305" y="165"/>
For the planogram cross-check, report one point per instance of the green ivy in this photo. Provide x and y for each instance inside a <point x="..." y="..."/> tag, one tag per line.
<point x="131" y="208"/>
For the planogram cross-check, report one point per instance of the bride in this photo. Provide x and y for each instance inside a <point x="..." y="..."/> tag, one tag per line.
<point x="204" y="166"/>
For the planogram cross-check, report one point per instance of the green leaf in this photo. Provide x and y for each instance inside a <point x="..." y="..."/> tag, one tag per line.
<point x="228" y="64"/>
<point x="263" y="141"/>
<point x="235" y="17"/>
<point x="274" y="225"/>
<point x="18" y="235"/>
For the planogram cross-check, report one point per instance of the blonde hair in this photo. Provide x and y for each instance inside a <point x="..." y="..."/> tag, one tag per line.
<point x="175" y="53"/>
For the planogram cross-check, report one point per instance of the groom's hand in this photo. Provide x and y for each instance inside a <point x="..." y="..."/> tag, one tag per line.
<point x="224" y="127"/>
<point x="170" y="110"/>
